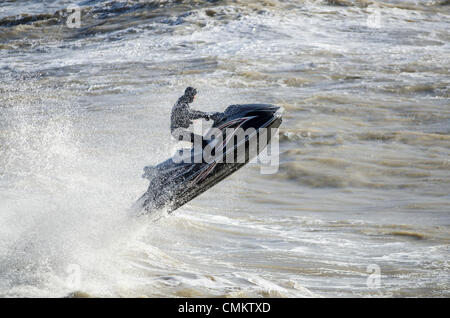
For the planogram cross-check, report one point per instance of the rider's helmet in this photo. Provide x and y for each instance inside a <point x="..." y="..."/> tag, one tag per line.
<point x="190" y="93"/>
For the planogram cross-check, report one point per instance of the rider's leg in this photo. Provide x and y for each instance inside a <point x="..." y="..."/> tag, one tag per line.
<point x="186" y="135"/>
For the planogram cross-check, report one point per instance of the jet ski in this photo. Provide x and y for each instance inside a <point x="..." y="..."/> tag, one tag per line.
<point x="176" y="182"/>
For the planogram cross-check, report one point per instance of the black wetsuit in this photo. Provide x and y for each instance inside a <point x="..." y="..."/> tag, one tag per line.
<point x="181" y="119"/>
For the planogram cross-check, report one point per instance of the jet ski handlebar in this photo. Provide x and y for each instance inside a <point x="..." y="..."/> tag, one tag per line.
<point x="215" y="117"/>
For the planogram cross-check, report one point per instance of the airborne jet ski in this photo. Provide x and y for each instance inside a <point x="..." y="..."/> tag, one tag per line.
<point x="175" y="182"/>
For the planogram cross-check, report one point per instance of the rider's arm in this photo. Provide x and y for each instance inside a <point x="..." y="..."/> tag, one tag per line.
<point x="195" y="114"/>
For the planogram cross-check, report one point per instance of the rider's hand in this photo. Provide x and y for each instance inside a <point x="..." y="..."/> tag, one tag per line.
<point x="214" y="116"/>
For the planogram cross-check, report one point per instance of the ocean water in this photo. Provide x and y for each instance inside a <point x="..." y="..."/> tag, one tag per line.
<point x="358" y="208"/>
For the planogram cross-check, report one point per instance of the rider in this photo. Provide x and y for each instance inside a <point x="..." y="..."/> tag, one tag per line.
<point x="182" y="116"/>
